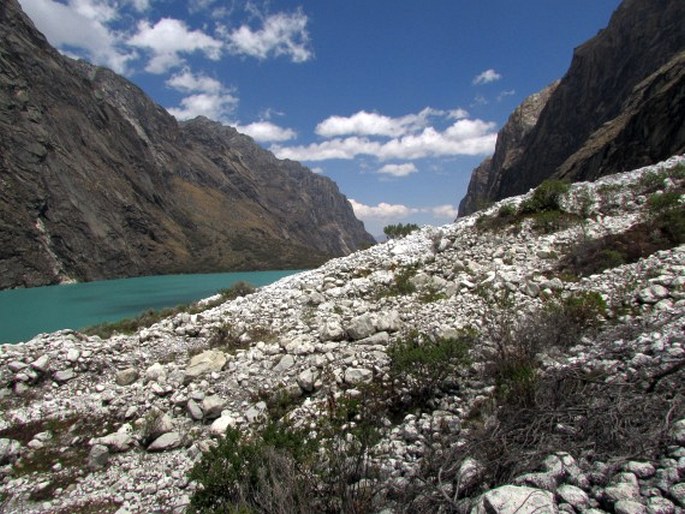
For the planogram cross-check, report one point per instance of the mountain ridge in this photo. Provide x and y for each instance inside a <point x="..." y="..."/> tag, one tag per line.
<point x="620" y="105"/>
<point x="101" y="182"/>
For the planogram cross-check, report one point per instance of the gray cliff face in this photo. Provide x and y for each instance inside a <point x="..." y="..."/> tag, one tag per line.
<point x="485" y="179"/>
<point x="619" y="106"/>
<point x="98" y="181"/>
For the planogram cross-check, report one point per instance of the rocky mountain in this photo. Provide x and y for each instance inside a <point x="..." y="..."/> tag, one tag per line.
<point x="499" y="364"/>
<point x="98" y="181"/>
<point x="620" y="105"/>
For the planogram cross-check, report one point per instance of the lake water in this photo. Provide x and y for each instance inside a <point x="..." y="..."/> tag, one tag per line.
<point x="27" y="312"/>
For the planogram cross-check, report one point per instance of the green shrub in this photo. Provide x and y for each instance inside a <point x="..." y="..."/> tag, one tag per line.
<point x="660" y="202"/>
<point x="672" y="225"/>
<point x="402" y="284"/>
<point x="548" y="222"/>
<point x="546" y="197"/>
<point x="399" y="230"/>
<point x="422" y="364"/>
<point x="240" y="288"/>
<point x="262" y="474"/>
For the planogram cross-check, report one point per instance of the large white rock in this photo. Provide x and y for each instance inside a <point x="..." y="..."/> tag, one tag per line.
<point x="206" y="362"/>
<point x="361" y="327"/>
<point x="164" y="442"/>
<point x="358" y="375"/>
<point x="219" y="426"/>
<point x="512" y="499"/>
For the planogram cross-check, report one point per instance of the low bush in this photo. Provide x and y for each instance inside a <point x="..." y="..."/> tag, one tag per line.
<point x="546" y="197"/>
<point x="399" y="230"/>
<point x="422" y="365"/>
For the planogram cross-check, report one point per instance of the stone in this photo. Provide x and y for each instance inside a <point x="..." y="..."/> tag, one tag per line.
<point x="361" y="327"/>
<point x="677" y="432"/>
<point x="212" y="406"/>
<point x="156" y="372"/>
<point x="206" y="362"/>
<point x="469" y="473"/>
<point x="126" y="376"/>
<point x="300" y="345"/>
<point x="41" y="364"/>
<point x="622" y="491"/>
<point x="677" y="492"/>
<point x="64" y="375"/>
<point x="219" y="426"/>
<point x="660" y="505"/>
<point x="164" y="442"/>
<point x="358" y="375"/>
<point x="574" y="496"/>
<point x="332" y="330"/>
<point x="388" y="321"/>
<point x="117" y="442"/>
<point x="652" y="294"/>
<point x="9" y="451"/>
<point x="98" y="457"/>
<point x="16" y="366"/>
<point x="306" y="380"/>
<point x="255" y="412"/>
<point x="194" y="410"/>
<point x="286" y="362"/>
<point x="511" y="499"/>
<point x="73" y="355"/>
<point x="640" y="469"/>
<point x="629" y="507"/>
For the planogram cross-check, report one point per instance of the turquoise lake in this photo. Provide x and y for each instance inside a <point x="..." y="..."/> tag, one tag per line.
<point x="27" y="312"/>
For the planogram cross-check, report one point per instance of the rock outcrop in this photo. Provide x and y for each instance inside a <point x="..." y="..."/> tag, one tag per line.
<point x="620" y="105"/>
<point x="486" y="178"/>
<point x="98" y="181"/>
<point x="115" y="425"/>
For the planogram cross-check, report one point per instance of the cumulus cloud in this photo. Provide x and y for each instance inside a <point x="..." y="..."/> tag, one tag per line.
<point x="398" y="170"/>
<point x="207" y="97"/>
<point x="216" y="106"/>
<point x="444" y="211"/>
<point x="381" y="211"/>
<point x="265" y="132"/>
<point x="187" y="81"/>
<point x="168" y="39"/>
<point x="486" y="77"/>
<point x="81" y="24"/>
<point x="463" y="137"/>
<point x="365" y="123"/>
<point x="281" y="34"/>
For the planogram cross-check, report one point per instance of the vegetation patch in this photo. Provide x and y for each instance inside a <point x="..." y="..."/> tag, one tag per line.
<point x="666" y="229"/>
<point x="543" y="208"/>
<point x="152" y="316"/>
<point x="421" y="366"/>
<point x="400" y="230"/>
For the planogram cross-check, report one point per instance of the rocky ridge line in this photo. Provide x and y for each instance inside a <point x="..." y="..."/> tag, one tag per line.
<point x="326" y="331"/>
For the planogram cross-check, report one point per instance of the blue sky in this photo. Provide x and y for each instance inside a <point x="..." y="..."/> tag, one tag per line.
<point x="395" y="100"/>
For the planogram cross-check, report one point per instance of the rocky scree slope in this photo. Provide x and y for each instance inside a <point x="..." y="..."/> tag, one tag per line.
<point x="98" y="181"/>
<point x="620" y="105"/>
<point x="593" y="420"/>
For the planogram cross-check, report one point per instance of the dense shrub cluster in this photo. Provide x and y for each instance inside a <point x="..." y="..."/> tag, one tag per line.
<point x="543" y="208"/>
<point x="399" y="230"/>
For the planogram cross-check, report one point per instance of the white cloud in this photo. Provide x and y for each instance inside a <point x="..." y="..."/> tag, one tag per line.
<point x="189" y="82"/>
<point x="463" y="137"/>
<point x="365" y="123"/>
<point x="168" y="39"/>
<point x="280" y="34"/>
<point x="140" y="5"/>
<point x="381" y="211"/>
<point x="444" y="211"/>
<point x="486" y="77"/>
<point x="215" y="106"/>
<point x="504" y="94"/>
<point x="81" y="24"/>
<point x="265" y="131"/>
<point x="457" y="114"/>
<point x="398" y="170"/>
